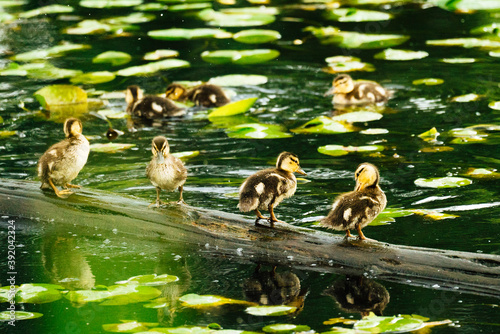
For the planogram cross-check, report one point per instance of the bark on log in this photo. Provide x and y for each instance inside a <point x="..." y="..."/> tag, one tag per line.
<point x="218" y="233"/>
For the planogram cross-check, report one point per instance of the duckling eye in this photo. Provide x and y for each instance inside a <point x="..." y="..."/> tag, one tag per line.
<point x="359" y="172"/>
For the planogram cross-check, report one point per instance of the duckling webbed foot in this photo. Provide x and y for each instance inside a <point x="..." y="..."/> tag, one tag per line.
<point x="65" y="193"/>
<point x="181" y="200"/>
<point x="361" y="236"/>
<point x="69" y="185"/>
<point x="348" y="234"/>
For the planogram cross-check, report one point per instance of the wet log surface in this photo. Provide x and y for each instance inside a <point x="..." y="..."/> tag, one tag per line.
<point x="216" y="233"/>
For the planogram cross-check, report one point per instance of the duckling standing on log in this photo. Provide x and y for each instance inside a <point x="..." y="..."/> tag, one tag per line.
<point x="62" y="162"/>
<point x="165" y="171"/>
<point x="347" y="91"/>
<point x="205" y="95"/>
<point x="265" y="189"/>
<point x="356" y="209"/>
<point x="150" y="106"/>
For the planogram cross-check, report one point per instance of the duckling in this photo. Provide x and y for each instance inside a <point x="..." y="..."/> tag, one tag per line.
<point x="62" y="162"/>
<point x="348" y="91"/>
<point x="165" y="171"/>
<point x="358" y="208"/>
<point x="150" y="106"/>
<point x="265" y="189"/>
<point x="205" y="95"/>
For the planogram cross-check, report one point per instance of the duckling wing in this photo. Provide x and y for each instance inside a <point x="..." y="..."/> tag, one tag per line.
<point x="208" y="96"/>
<point x="155" y="107"/>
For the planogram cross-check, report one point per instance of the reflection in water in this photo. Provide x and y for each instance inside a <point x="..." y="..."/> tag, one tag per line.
<point x="272" y="288"/>
<point x="358" y="294"/>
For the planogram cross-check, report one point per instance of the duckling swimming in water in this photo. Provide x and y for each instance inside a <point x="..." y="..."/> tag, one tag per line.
<point x="62" y="162"/>
<point x="358" y="208"/>
<point x="347" y="91"/>
<point x="205" y="95"/>
<point x="165" y="171"/>
<point x="265" y="189"/>
<point x="150" y="106"/>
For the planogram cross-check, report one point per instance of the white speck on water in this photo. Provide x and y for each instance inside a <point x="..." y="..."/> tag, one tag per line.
<point x="313" y="264"/>
<point x="408" y="281"/>
<point x="239" y="251"/>
<point x="290" y="257"/>
<point x="207" y="245"/>
<point x="177" y="257"/>
<point x="436" y="286"/>
<point x="460" y="301"/>
<point x="456" y="288"/>
<point x="115" y="231"/>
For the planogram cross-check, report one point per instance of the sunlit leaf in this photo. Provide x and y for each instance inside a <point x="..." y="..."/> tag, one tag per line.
<point x="466" y="5"/>
<point x="19" y="315"/>
<point x="356" y="15"/>
<point x="87" y="296"/>
<point x="235" y="19"/>
<point x="255" y="36"/>
<point x="394" y="54"/>
<point x="160" y="54"/>
<point x="151" y="7"/>
<point x="109" y="3"/>
<point x="436" y="149"/>
<point x="113" y="113"/>
<point x="151" y="280"/>
<point x="443" y="182"/>
<point x="435" y="215"/>
<point x="324" y="125"/>
<point x="358" y="116"/>
<point x="55" y="51"/>
<point x="483" y="173"/>
<point x="38" y="293"/>
<point x="127" y="327"/>
<point x="110" y="147"/>
<point x="285" y="328"/>
<point x="115" y="58"/>
<point x="257" y="131"/>
<point x="60" y="95"/>
<point x="341" y="59"/>
<point x="466" y="42"/>
<point x="430" y="135"/>
<point x="50" y="9"/>
<point x="339" y="150"/>
<point x="342" y="320"/>
<point x="458" y="60"/>
<point x="12" y="3"/>
<point x="157" y="303"/>
<point x="377" y="324"/>
<point x="466" y="98"/>
<point x="494" y="53"/>
<point x="428" y="81"/>
<point x="190" y="7"/>
<point x="93" y="77"/>
<point x="268" y="10"/>
<point x="7" y="134"/>
<point x="196" y="301"/>
<point x="387" y="216"/>
<point x="348" y="66"/>
<point x="153" y="67"/>
<point x="242" y="57"/>
<point x="175" y="34"/>
<point x="234" y="80"/>
<point x="132" y="18"/>
<point x="130" y="293"/>
<point x="495" y="105"/>
<point x="233" y="108"/>
<point x="374" y="131"/>
<point x="270" y="311"/>
<point x="87" y="27"/>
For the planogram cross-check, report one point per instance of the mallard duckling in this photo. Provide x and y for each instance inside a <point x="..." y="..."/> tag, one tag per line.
<point x="205" y="95"/>
<point x="265" y="189"/>
<point x="62" y="162"/>
<point x="347" y="91"/>
<point x="165" y="171"/>
<point x="358" y="208"/>
<point x="150" y="106"/>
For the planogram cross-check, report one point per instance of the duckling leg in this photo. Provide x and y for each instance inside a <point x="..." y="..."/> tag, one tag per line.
<point x="60" y="193"/>
<point x="69" y="185"/>
<point x="259" y="215"/>
<point x="272" y="219"/>
<point x="361" y="236"/>
<point x="348" y="234"/>
<point x="158" y="201"/>
<point x="181" y="200"/>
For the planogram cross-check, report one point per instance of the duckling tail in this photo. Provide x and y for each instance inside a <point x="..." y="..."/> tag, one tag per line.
<point x="247" y="203"/>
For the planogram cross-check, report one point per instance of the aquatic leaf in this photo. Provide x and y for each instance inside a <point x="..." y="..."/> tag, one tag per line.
<point x="430" y="135"/>
<point x="285" y="328"/>
<point x="394" y="54"/>
<point x="157" y="303"/>
<point x="233" y="80"/>
<point x="195" y="300"/>
<point x="153" y="67"/>
<point x="466" y="42"/>
<point x="341" y="320"/>
<point x="132" y="18"/>
<point x="374" y="131"/>
<point x="7" y="134"/>
<point x="242" y="57"/>
<point x="443" y="182"/>
<point x="255" y="36"/>
<point x="190" y="7"/>
<point x="339" y="150"/>
<point x="130" y="293"/>
<point x="110" y="147"/>
<point x="356" y="15"/>
<point x="12" y="3"/>
<point x="60" y="95"/>
<point x="109" y="3"/>
<point x="356" y="40"/>
<point x="115" y="58"/>
<point x="270" y="311"/>
<point x="55" y="51"/>
<point x="19" y="315"/>
<point x="324" y="125"/>
<point x="257" y="131"/>
<point x="113" y="113"/>
<point x="176" y="34"/>
<point x="494" y="53"/>
<point x="126" y="327"/>
<point x="88" y="27"/>
<point x="495" y="105"/>
<point x="466" y="5"/>
<point x="38" y="293"/>
<point x="378" y="324"/>
<point x="428" y="81"/>
<point x="151" y="7"/>
<point x="387" y="216"/>
<point x="483" y="173"/>
<point x="348" y="66"/>
<point x="93" y="78"/>
<point x="50" y="9"/>
<point x="160" y="54"/>
<point x="87" y="296"/>
<point x="269" y="10"/>
<point x="458" y="60"/>
<point x="151" y="280"/>
<point x="341" y="59"/>
<point x="358" y="116"/>
<point x="466" y="98"/>
<point x="235" y="19"/>
<point x="436" y="149"/>
<point x="435" y="215"/>
<point x="233" y="108"/>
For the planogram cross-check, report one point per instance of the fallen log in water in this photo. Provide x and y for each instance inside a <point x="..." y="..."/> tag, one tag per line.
<point x="217" y="233"/>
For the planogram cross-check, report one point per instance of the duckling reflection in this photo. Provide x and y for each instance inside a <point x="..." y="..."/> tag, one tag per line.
<point x="358" y="294"/>
<point x="272" y="288"/>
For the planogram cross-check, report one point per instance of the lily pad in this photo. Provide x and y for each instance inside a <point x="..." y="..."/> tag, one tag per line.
<point x="387" y="216"/>
<point x="88" y="27"/>
<point x="151" y="7"/>
<point x="394" y="54"/>
<point x="466" y="42"/>
<point x="87" y="296"/>
<point x="495" y="105"/>
<point x="157" y="303"/>
<point x="109" y="3"/>
<point x="483" y="173"/>
<point x="339" y="150"/>
<point x="7" y="134"/>
<point x="160" y="54"/>
<point x="113" y="113"/>
<point x="93" y="78"/>
<point x="132" y="18"/>
<point x="234" y="80"/>
<point x="430" y="135"/>
<point x="190" y="6"/>
<point x="153" y="67"/>
<point x="196" y="301"/>
<point x="126" y="327"/>
<point x="60" y="95"/>
<point x="242" y="57"/>
<point x="115" y="58"/>
<point x="38" y="293"/>
<point x="255" y="36"/>
<point x="467" y="5"/>
<point x="177" y="34"/>
<point x="285" y="328"/>
<point x="257" y="131"/>
<point x="428" y="81"/>
<point x="324" y="125"/>
<point x="356" y="15"/>
<point x="130" y="293"/>
<point x="466" y="98"/>
<point x="50" y="9"/>
<point x="110" y="147"/>
<point x="150" y="280"/>
<point x="458" y="60"/>
<point x="443" y="182"/>
<point x="432" y="214"/>
<point x="349" y="66"/>
<point x="55" y="51"/>
<point x="377" y="324"/>
<point x="19" y="315"/>
<point x="270" y="311"/>
<point x="235" y="19"/>
<point x="493" y="28"/>
<point x="374" y="131"/>
<point x="358" y="116"/>
<point x="356" y="40"/>
<point x="233" y="108"/>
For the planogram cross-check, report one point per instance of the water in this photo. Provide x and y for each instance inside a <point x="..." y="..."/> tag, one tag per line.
<point x="49" y="253"/>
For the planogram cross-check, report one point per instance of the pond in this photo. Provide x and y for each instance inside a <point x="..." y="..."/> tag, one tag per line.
<point x="448" y="80"/>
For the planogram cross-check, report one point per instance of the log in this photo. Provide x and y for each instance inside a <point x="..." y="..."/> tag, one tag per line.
<point x="216" y="233"/>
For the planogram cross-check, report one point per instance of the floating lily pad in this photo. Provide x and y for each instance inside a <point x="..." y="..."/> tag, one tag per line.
<point x="493" y="28"/>
<point x="428" y="81"/>
<point x="356" y="15"/>
<point x="87" y="296"/>
<point x="128" y="327"/>
<point x="88" y="27"/>
<point x="387" y="216"/>
<point x="268" y="10"/>
<point x="60" y="95"/>
<point x="130" y="293"/>
<point x="257" y="131"/>
<point x="430" y="135"/>
<point x="19" y="315"/>
<point x="358" y="116"/>
<point x="270" y="311"/>
<point x="113" y="113"/>
<point x="110" y="147"/>
<point x="436" y="149"/>
<point x="255" y="36"/>
<point x="50" y="9"/>
<point x="151" y="7"/>
<point x="190" y="7"/>
<point x="234" y="80"/>
<point x="443" y="182"/>
<point x="186" y="155"/>
<point x="153" y="67"/>
<point x="339" y="150"/>
<point x="466" y="98"/>
<point x="466" y="42"/>
<point x="377" y="324"/>
<point x="7" y="134"/>
<point x="394" y="54"/>
<point x="233" y="108"/>
<point x="356" y="40"/>
<point x="160" y="54"/>
<point x="458" y="60"/>
<point x="55" y="51"/>
<point x="242" y="57"/>
<point x="467" y="5"/>
<point x="115" y="58"/>
<point x="235" y="19"/>
<point x="132" y="18"/>
<point x="374" y="131"/>
<point x="495" y="105"/>
<point x="151" y="280"/>
<point x="38" y="293"/>
<point x="483" y="173"/>
<point x="349" y="66"/>
<point x="176" y="34"/>
<point x="93" y="77"/>
<point x="494" y="53"/>
<point x="109" y="3"/>
<point x="285" y="328"/>
<point x="195" y="300"/>
<point x="157" y="303"/>
<point x="324" y="125"/>
<point x="432" y="214"/>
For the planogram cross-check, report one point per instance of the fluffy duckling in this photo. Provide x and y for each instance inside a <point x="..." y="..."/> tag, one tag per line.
<point x="347" y="91"/>
<point x="265" y="189"/>
<point x="62" y="162"/>
<point x="205" y="95"/>
<point x="150" y="106"/>
<point x="165" y="171"/>
<point x="358" y="208"/>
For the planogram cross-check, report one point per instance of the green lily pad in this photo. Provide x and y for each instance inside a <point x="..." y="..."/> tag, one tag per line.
<point x="88" y="27"/>
<point x="285" y="328"/>
<point x="493" y="28"/>
<point x="458" y="60"/>
<point x="443" y="182"/>
<point x="12" y="3"/>
<point x="467" y="5"/>
<point x="132" y="18"/>
<point x="196" y="301"/>
<point x="87" y="296"/>
<point x="428" y="81"/>
<point x="38" y="293"/>
<point x="55" y="51"/>
<point x="257" y="131"/>
<point x="356" y="15"/>
<point x="127" y="327"/>
<point x="324" y="125"/>
<point x="7" y="134"/>
<point x="130" y="293"/>
<point x="356" y="40"/>
<point x="151" y="280"/>
<point x="190" y="7"/>
<point x="466" y="98"/>
<point x="483" y="173"/>
<point x="177" y="34"/>
<point x="432" y="214"/>
<point x="494" y="53"/>
<point x="374" y="131"/>
<point x="270" y="311"/>
<point x="358" y="116"/>
<point x="110" y="147"/>
<point x="339" y="150"/>
<point x="466" y="42"/>
<point x="161" y="54"/>
<point x="115" y="58"/>
<point x="268" y="10"/>
<point x="235" y="19"/>
<point x="157" y="303"/>
<point x="113" y="113"/>
<point x="50" y="9"/>
<point x="153" y="67"/>
<point x="234" y="80"/>
<point x="387" y="216"/>
<point x="109" y="3"/>
<point x="495" y="105"/>
<point x="19" y="315"/>
<point x="93" y="78"/>
<point x="151" y="7"/>
<point x="430" y="135"/>
<point x="60" y="95"/>
<point x="394" y="54"/>
<point x="233" y="108"/>
<point x="348" y="66"/>
<point x="255" y="36"/>
<point x="376" y="324"/>
<point x="242" y="57"/>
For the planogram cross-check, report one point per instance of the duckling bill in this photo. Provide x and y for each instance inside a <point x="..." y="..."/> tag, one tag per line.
<point x="265" y="189"/>
<point x="205" y="95"/>
<point x="150" y="106"/>
<point x="358" y="208"/>
<point x="346" y="91"/>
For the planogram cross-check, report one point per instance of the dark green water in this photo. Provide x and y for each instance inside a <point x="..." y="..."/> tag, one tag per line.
<point x="292" y="96"/>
